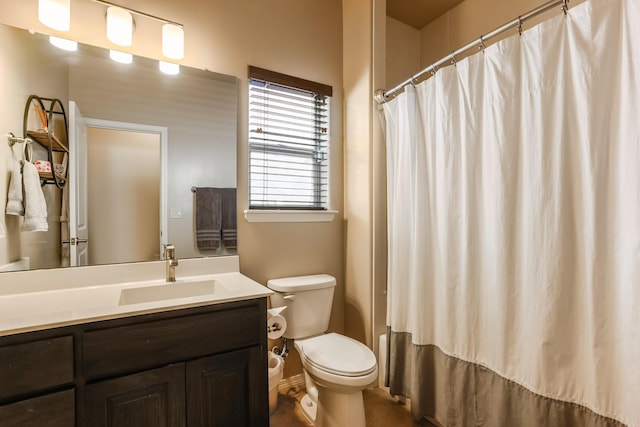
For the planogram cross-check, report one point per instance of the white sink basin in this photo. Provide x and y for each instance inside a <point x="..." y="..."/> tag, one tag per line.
<point x="168" y="291"/>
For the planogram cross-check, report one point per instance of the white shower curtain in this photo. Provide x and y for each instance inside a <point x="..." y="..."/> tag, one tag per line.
<point x="514" y="228"/>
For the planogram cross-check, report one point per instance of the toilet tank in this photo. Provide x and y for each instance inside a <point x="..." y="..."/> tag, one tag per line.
<point x="308" y="300"/>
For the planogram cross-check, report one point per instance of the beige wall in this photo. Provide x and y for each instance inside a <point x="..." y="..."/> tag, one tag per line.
<point x="471" y="19"/>
<point x="402" y="52"/>
<point x="365" y="253"/>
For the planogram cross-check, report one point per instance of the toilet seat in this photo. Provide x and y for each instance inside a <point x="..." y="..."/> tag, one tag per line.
<point x="338" y="355"/>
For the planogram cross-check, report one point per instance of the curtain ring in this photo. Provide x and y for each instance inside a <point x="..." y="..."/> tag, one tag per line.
<point x="519" y="25"/>
<point x="453" y="60"/>
<point x="482" y="45"/>
<point x="565" y="6"/>
<point x="434" y="70"/>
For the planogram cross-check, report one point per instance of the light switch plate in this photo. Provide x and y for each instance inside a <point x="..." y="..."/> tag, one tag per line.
<point x="176" y="213"/>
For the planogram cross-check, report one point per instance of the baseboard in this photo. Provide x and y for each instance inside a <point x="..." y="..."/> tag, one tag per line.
<point x="295" y="382"/>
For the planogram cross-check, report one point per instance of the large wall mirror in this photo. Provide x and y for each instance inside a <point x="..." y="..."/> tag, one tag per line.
<point x="150" y="139"/>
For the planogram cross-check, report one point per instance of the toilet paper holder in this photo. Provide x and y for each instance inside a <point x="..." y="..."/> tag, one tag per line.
<point x="274" y="328"/>
<point x="276" y="324"/>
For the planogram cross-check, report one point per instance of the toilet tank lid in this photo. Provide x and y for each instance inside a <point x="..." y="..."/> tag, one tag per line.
<point x="302" y="283"/>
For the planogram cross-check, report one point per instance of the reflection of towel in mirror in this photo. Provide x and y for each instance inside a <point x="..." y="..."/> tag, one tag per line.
<point x="35" y="207"/>
<point x="229" y="221"/>
<point x="15" y="205"/>
<point x="208" y="220"/>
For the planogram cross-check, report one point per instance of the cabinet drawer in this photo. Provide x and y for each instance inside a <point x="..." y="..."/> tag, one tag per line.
<point x="35" y="366"/>
<point x="53" y="410"/>
<point x="145" y="345"/>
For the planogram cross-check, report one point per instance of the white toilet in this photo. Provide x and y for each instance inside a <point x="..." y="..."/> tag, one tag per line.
<point x="336" y="368"/>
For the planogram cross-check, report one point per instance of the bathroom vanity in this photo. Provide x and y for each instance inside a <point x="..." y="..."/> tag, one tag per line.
<point x="196" y="360"/>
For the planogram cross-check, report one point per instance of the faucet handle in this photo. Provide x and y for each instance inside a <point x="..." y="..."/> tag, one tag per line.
<point x="169" y="251"/>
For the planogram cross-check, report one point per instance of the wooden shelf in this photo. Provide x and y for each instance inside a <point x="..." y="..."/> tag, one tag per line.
<point x="41" y="136"/>
<point x="46" y="138"/>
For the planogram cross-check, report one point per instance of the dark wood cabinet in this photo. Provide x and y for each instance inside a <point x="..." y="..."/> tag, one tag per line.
<point x="154" y="398"/>
<point x="220" y="390"/>
<point x="202" y="366"/>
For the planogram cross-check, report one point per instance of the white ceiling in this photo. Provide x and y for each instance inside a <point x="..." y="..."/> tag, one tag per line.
<point x="418" y="13"/>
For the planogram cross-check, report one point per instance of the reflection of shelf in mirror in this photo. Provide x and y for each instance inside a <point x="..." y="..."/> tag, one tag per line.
<point x="41" y="136"/>
<point x="49" y="175"/>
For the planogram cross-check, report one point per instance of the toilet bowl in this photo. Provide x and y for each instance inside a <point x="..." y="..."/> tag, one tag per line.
<point x="337" y="368"/>
<point x="340" y="368"/>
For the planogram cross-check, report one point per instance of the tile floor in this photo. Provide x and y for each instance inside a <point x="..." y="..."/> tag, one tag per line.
<point x="381" y="410"/>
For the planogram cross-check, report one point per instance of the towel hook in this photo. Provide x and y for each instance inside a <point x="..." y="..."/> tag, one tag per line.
<point x="13" y="140"/>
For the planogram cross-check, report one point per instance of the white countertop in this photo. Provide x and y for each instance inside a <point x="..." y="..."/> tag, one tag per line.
<point x="46" y="299"/>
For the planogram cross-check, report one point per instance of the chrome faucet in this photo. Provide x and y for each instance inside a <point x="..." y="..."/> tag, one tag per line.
<point x="172" y="261"/>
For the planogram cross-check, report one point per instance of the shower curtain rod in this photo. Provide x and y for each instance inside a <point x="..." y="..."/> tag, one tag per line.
<point x="382" y="96"/>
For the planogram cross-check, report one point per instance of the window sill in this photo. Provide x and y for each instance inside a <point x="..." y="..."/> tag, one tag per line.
<point x="267" y="215"/>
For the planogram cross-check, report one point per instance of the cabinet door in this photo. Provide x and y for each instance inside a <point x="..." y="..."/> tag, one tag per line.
<point x="154" y="398"/>
<point x="228" y="390"/>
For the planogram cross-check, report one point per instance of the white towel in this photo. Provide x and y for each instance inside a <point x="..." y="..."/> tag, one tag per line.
<point x="15" y="205"/>
<point x="35" y="215"/>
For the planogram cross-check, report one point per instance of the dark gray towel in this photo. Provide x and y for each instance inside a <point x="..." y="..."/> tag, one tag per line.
<point x="208" y="217"/>
<point x="229" y="220"/>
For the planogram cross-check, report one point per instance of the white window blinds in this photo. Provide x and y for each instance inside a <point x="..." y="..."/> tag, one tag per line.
<point x="288" y="142"/>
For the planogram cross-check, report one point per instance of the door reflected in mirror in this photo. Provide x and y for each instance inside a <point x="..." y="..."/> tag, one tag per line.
<point x="124" y="200"/>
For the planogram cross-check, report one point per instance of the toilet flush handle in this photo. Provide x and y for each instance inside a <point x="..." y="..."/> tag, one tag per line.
<point x="290" y="297"/>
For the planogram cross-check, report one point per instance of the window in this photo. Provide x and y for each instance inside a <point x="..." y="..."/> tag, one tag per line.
<point x="288" y="142"/>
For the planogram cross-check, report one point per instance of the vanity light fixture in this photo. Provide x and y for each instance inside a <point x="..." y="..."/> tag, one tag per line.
<point x="121" y="57"/>
<point x="169" y="68"/>
<point x="119" y="26"/>
<point x="64" y="44"/>
<point x="173" y="41"/>
<point x="55" y="14"/>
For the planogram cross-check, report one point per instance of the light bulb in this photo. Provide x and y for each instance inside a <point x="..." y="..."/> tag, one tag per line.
<point x="121" y="57"/>
<point x="169" y="68"/>
<point x="172" y="41"/>
<point x="55" y="14"/>
<point x="119" y="26"/>
<point x="64" y="44"/>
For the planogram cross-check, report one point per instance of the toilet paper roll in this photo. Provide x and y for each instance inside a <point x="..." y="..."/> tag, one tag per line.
<point x="276" y="325"/>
